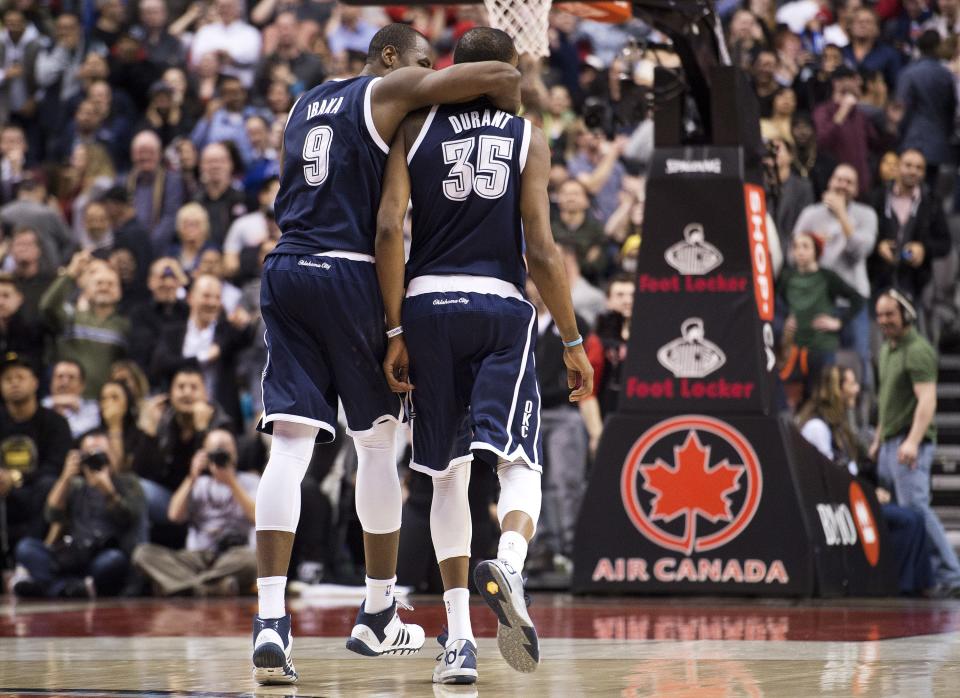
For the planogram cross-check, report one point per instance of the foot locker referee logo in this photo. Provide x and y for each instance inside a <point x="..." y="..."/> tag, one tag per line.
<point x="691" y="484"/>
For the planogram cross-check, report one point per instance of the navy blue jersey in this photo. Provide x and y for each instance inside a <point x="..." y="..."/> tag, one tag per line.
<point x="465" y="171"/>
<point x="332" y="169"/>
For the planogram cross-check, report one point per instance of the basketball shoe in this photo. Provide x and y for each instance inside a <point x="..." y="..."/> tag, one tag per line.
<point x="272" y="651"/>
<point x="457" y="664"/>
<point x="375" y="634"/>
<point x="502" y="588"/>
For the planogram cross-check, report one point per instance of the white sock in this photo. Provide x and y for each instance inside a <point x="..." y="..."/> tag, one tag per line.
<point x="457" y="603"/>
<point x="270" y="592"/>
<point x="379" y="594"/>
<point x="513" y="549"/>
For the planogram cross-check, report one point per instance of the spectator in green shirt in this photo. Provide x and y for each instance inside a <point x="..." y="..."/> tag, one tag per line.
<point x="815" y="318"/>
<point x="93" y="333"/>
<point x="904" y="442"/>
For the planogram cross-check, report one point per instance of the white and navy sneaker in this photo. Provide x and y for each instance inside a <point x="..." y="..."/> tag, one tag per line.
<point x="375" y="634"/>
<point x="457" y="664"/>
<point x="272" y="651"/>
<point x="502" y="588"/>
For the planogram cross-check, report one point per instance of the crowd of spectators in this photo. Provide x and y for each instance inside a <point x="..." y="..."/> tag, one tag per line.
<point x="139" y="146"/>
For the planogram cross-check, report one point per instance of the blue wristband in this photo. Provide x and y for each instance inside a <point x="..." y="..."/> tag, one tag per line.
<point x="575" y="343"/>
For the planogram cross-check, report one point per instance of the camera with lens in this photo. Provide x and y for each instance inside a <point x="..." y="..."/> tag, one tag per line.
<point x="219" y="457"/>
<point x="95" y="461"/>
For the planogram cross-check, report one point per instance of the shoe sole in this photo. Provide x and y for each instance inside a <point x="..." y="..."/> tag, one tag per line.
<point x="271" y="666"/>
<point x="462" y="678"/>
<point x="361" y="647"/>
<point x="516" y="636"/>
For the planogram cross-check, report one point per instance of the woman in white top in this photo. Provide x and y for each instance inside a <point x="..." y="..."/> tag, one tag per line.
<point x="824" y="420"/>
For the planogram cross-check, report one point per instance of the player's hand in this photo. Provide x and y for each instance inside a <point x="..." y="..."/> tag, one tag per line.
<point x="396" y="365"/>
<point x="579" y="372"/>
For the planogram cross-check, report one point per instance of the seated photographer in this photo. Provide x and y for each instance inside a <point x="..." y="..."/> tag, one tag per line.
<point x="217" y="503"/>
<point x="175" y="426"/>
<point x="93" y="509"/>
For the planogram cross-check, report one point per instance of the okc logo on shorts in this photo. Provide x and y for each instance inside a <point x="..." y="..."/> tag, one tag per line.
<point x="691" y="483"/>
<point x="527" y="413"/>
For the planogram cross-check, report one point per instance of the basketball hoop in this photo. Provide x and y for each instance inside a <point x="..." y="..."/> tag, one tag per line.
<point x="527" y="21"/>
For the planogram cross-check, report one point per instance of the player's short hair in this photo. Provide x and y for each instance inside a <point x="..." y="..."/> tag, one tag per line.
<point x="402" y="37"/>
<point x="484" y="44"/>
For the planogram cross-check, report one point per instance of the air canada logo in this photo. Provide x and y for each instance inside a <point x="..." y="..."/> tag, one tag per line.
<point x="691" y="355"/>
<point x="693" y="256"/>
<point x="691" y="484"/>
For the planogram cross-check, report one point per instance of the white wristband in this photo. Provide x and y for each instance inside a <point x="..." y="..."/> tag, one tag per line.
<point x="395" y="332"/>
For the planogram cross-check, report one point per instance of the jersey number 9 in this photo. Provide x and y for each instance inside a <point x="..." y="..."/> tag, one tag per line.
<point x="490" y="176"/>
<point x="316" y="155"/>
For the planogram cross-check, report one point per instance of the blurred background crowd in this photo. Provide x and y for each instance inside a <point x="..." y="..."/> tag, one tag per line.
<point x="139" y="149"/>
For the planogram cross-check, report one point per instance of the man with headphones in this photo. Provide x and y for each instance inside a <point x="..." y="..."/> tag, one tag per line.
<point x="904" y="442"/>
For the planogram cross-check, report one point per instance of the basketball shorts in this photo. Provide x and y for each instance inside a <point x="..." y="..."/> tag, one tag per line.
<point x="325" y="340"/>
<point x="472" y="366"/>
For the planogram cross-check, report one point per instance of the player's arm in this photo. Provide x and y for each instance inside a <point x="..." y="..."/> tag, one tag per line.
<point x="388" y="250"/>
<point x="408" y="89"/>
<point x="546" y="264"/>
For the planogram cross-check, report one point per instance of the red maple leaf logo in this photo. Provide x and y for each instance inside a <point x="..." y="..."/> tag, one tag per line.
<point x="691" y="487"/>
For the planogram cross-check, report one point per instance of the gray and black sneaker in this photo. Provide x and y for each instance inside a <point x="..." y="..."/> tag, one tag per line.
<point x="502" y="588"/>
<point x="457" y="664"/>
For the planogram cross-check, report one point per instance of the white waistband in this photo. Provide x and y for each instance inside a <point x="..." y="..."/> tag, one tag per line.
<point x="462" y="283"/>
<point x="355" y="256"/>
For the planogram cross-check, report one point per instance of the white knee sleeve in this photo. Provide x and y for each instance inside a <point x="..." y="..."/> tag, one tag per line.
<point x="519" y="491"/>
<point x="278" y="496"/>
<point x="378" y="497"/>
<point x="450" y="525"/>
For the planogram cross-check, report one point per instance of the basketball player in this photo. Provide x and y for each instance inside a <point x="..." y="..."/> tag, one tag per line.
<point x="478" y="178"/>
<point x="325" y="325"/>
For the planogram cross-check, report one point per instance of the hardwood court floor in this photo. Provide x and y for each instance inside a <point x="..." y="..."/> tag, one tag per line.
<point x="591" y="647"/>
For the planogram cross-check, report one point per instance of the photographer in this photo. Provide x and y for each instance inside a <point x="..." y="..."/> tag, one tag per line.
<point x="96" y="508"/>
<point x="218" y="505"/>
<point x="175" y="425"/>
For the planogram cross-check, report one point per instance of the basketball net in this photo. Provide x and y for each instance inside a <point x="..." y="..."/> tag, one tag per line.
<point x="527" y="21"/>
